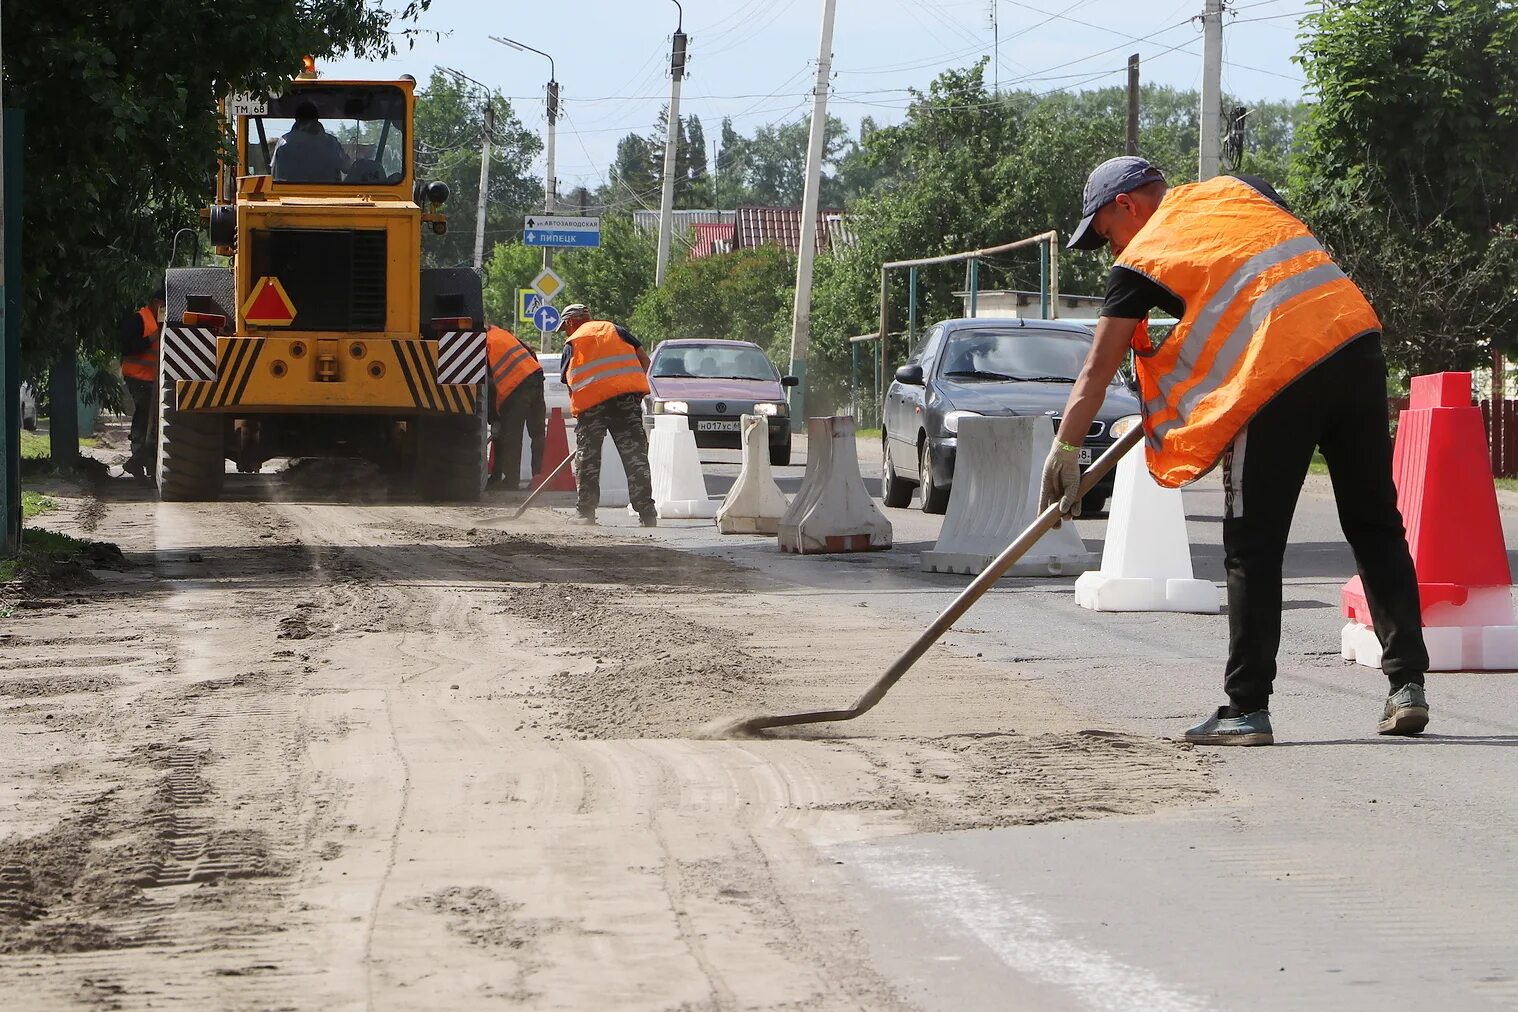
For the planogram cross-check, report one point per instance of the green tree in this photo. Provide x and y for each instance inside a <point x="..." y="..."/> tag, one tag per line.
<point x="450" y="125"/>
<point x="741" y="296"/>
<point x="510" y="266"/>
<point x="1407" y="168"/>
<point x="123" y="135"/>
<point x="611" y="278"/>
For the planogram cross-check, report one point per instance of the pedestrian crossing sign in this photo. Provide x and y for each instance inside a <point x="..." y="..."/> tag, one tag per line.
<point x="528" y="301"/>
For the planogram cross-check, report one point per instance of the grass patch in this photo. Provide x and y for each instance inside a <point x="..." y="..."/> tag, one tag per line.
<point x="867" y="433"/>
<point x="49" y="561"/>
<point x="38" y="446"/>
<point x="35" y="504"/>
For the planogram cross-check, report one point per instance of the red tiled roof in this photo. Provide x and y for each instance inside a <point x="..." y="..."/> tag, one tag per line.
<point x="708" y="237"/>
<point x="780" y="225"/>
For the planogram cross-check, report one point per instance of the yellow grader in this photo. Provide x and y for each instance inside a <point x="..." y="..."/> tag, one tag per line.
<point x="326" y="336"/>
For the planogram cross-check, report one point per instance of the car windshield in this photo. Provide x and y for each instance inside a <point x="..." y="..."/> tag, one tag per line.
<point x="713" y="361"/>
<point x="343" y="134"/>
<point x="1021" y="354"/>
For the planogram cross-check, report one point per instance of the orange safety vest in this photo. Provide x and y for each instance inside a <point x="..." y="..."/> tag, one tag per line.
<point x="601" y="366"/>
<point x="144" y="364"/>
<point x="511" y="362"/>
<point x="1264" y="304"/>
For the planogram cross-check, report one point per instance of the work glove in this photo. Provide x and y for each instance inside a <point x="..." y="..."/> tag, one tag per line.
<point x="1062" y="480"/>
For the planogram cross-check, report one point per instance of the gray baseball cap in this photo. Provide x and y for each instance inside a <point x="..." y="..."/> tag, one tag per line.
<point x="1116" y="175"/>
<point x="574" y="309"/>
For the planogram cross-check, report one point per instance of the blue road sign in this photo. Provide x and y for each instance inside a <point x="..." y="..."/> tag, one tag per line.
<point x="546" y="318"/>
<point x="561" y="230"/>
<point x="528" y="302"/>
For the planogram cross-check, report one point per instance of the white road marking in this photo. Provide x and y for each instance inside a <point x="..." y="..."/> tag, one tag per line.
<point x="1023" y="937"/>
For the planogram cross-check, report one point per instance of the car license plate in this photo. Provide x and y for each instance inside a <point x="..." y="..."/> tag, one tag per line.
<point x="1085" y="456"/>
<point x="714" y="426"/>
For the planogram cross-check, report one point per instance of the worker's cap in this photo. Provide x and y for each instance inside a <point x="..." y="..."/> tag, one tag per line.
<point x="575" y="310"/>
<point x="1114" y="176"/>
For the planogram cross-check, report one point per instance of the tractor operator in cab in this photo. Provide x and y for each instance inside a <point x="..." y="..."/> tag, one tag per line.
<point x="137" y="338"/>
<point x="606" y="370"/>
<point x="517" y="379"/>
<point x="307" y="153"/>
<point x="1277" y="353"/>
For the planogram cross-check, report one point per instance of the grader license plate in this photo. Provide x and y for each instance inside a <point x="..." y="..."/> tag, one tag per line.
<point x="717" y="426"/>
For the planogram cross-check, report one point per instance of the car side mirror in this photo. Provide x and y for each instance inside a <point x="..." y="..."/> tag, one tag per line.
<point x="911" y="375"/>
<point x="790" y="381"/>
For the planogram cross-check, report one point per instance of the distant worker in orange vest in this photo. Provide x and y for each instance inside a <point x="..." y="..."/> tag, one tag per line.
<point x="516" y="379"/>
<point x="1277" y="353"/>
<point x="138" y="342"/>
<point x="606" y="371"/>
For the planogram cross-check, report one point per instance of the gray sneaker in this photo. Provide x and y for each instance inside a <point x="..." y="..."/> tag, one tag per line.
<point x="1406" y="711"/>
<point x="584" y="519"/>
<point x="1250" y="729"/>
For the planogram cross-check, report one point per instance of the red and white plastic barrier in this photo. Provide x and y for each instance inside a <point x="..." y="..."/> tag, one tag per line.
<point x="755" y="504"/>
<point x="1454" y="530"/>
<point x="1146" y="562"/>
<point x="833" y="511"/>
<point x="998" y="468"/>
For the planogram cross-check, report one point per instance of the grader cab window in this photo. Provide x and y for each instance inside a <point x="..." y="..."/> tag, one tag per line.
<point x="353" y="135"/>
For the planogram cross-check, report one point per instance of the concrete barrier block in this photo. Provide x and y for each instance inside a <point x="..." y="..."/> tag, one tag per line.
<point x="997" y="472"/>
<point x="755" y="504"/>
<point x="679" y="485"/>
<point x="833" y="511"/>
<point x="1146" y="563"/>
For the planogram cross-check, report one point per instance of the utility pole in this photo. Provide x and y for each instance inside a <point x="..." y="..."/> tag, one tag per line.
<point x="10" y="390"/>
<point x="479" y="219"/>
<point x="550" y="184"/>
<point x="1133" y="104"/>
<point x="1210" y="119"/>
<point x="995" y="49"/>
<point x="671" y="144"/>
<point x="801" y="315"/>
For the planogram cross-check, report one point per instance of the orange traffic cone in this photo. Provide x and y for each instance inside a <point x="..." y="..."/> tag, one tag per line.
<point x="555" y="452"/>
<point x="1449" y="504"/>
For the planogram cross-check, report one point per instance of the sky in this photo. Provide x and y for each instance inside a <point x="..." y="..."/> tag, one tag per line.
<point x="755" y="60"/>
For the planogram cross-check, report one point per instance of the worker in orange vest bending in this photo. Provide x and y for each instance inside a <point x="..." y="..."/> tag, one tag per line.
<point x="516" y="379"/>
<point x="606" y="371"/>
<point x="138" y="341"/>
<point x="1277" y="353"/>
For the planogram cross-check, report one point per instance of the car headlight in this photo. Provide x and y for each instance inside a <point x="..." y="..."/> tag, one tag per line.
<point x="671" y="408"/>
<point x="769" y="408"/>
<point x="952" y="419"/>
<point x="1124" y="425"/>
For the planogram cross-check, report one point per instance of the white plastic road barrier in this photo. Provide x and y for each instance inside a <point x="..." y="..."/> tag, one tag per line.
<point x="755" y="504"/>
<point x="1478" y="635"/>
<point x="1146" y="564"/>
<point x="998" y="468"/>
<point x="613" y="475"/>
<point x="679" y="485"/>
<point x="524" y="471"/>
<point x="833" y="511"/>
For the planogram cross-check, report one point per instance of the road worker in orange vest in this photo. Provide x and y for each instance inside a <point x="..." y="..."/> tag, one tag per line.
<point x="137" y="338"/>
<point x="606" y="371"/>
<point x="516" y="380"/>
<point x="1276" y="354"/>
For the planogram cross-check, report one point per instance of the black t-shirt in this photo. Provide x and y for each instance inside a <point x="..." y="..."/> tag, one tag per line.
<point x="1131" y="295"/>
<point x="130" y="339"/>
<point x="622" y="332"/>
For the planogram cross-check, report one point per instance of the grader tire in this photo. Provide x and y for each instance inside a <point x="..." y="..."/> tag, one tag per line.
<point x="452" y="454"/>
<point x="191" y="460"/>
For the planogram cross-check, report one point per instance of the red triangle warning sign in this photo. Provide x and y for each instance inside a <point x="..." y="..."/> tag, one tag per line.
<point x="268" y="305"/>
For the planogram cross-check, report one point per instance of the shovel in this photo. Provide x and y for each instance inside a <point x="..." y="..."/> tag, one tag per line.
<point x="541" y="486"/>
<point x="1045" y="522"/>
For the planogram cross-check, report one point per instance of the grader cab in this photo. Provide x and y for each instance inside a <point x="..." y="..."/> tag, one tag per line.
<point x="326" y="336"/>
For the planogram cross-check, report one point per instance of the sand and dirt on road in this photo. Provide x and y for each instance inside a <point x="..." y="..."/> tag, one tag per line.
<point x="310" y="755"/>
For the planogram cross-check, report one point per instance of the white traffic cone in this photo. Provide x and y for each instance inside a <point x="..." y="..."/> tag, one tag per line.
<point x="679" y="485"/>
<point x="755" y="504"/>
<point x="998" y="468"/>
<point x="1146" y="564"/>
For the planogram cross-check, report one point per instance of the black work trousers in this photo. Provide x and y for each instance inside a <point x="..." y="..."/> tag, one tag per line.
<point x="1340" y="407"/>
<point x="523" y="408"/>
<point x="144" y="432"/>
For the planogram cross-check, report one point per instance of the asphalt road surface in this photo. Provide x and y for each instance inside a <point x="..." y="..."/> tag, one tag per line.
<point x="317" y="748"/>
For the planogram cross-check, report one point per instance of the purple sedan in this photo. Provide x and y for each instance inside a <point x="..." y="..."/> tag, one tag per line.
<point x="715" y="383"/>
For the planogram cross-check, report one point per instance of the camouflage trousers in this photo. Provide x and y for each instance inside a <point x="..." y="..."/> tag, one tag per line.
<point x="622" y="416"/>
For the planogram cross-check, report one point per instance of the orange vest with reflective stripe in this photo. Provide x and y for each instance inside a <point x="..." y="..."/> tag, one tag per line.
<point x="1264" y="304"/>
<point x="144" y="364"/>
<point x="511" y="362"/>
<point x="601" y="366"/>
